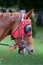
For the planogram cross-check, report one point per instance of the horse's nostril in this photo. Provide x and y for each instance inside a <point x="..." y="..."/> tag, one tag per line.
<point x="32" y="50"/>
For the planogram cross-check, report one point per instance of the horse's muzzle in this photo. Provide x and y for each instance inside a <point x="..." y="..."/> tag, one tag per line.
<point x="25" y="50"/>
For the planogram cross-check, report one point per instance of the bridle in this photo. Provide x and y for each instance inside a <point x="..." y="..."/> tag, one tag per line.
<point x="19" y="32"/>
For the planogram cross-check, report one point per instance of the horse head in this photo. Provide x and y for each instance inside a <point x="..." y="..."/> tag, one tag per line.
<point x="26" y="39"/>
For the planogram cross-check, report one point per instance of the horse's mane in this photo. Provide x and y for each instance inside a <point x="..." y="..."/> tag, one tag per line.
<point x="8" y="14"/>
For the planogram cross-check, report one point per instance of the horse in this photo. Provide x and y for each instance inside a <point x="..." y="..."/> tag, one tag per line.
<point x="8" y="24"/>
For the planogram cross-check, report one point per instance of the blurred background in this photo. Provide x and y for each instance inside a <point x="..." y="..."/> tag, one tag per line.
<point x="37" y="29"/>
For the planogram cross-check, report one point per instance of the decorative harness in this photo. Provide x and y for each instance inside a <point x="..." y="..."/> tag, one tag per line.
<point x="21" y="29"/>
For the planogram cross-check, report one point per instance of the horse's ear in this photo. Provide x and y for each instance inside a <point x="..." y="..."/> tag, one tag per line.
<point x="29" y="13"/>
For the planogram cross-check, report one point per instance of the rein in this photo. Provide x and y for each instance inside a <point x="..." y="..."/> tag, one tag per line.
<point x="8" y="45"/>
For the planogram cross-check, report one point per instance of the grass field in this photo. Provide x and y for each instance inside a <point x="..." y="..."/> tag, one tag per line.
<point x="15" y="59"/>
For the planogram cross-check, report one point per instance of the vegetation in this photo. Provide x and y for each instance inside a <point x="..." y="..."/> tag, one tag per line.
<point x="23" y="4"/>
<point x="29" y="4"/>
<point x="33" y="25"/>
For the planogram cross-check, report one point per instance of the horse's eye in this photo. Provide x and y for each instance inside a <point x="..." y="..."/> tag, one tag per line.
<point x="27" y="28"/>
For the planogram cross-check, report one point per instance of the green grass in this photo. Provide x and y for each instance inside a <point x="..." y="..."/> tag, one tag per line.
<point x="15" y="59"/>
<point x="39" y="30"/>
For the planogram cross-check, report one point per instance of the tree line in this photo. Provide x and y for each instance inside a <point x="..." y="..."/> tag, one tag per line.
<point x="23" y="4"/>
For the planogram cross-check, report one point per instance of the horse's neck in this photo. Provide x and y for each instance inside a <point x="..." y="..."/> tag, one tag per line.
<point x="5" y="26"/>
<point x="15" y="25"/>
<point x="4" y="32"/>
<point x="9" y="24"/>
